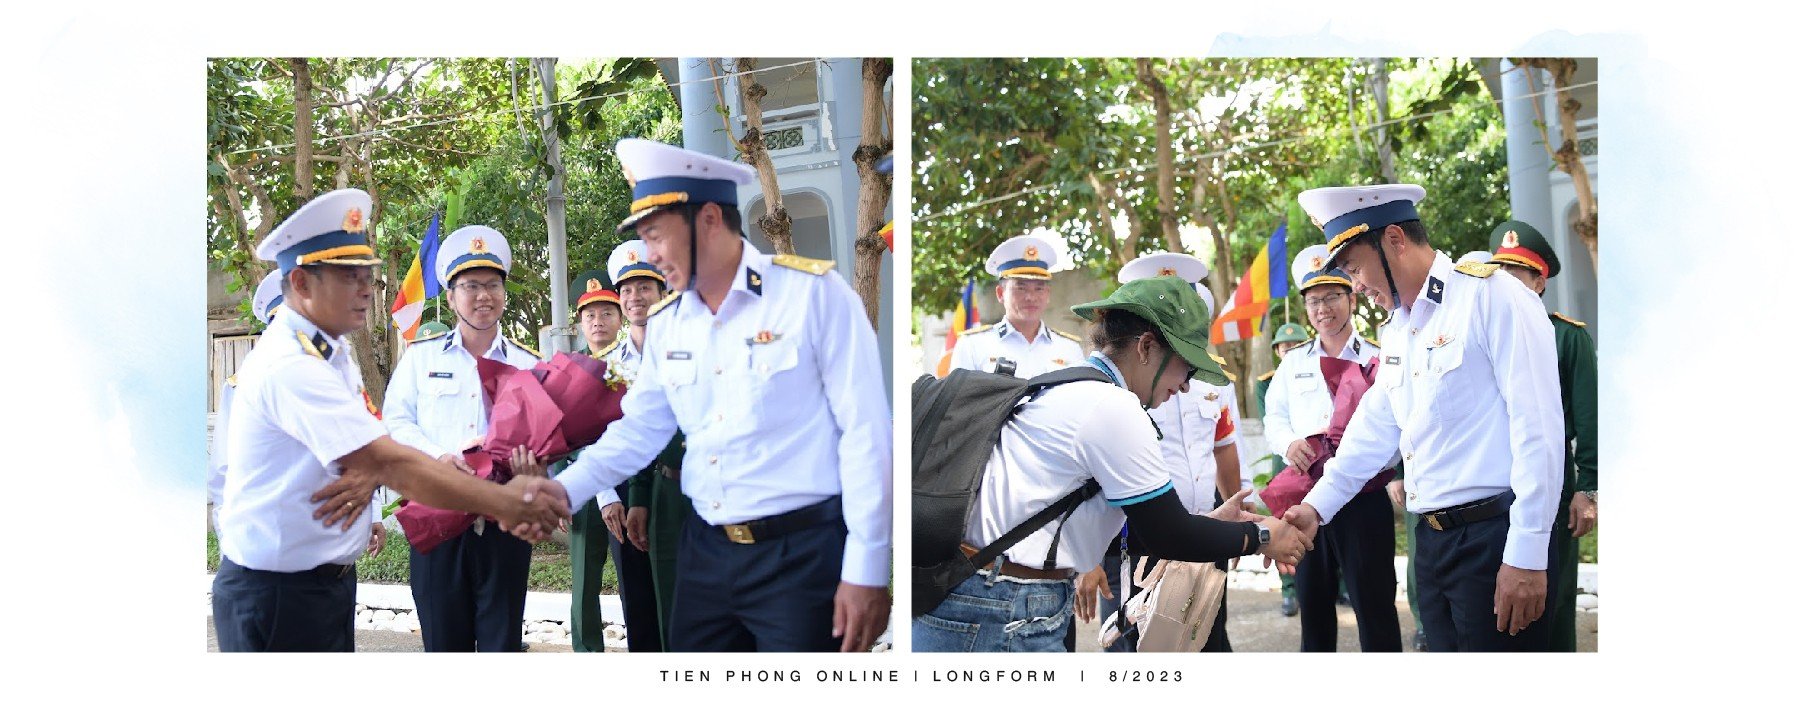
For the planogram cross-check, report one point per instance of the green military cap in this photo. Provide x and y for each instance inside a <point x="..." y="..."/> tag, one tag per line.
<point x="431" y="328"/>
<point x="591" y="287"/>
<point x="1518" y="243"/>
<point x="1290" y="332"/>
<point x="1174" y="308"/>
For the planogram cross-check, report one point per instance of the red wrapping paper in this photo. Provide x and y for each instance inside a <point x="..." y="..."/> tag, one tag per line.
<point x="559" y="405"/>
<point x="1348" y="382"/>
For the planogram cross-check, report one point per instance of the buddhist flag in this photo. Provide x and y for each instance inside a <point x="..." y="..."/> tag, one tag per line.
<point x="1245" y="312"/>
<point x="965" y="316"/>
<point x="420" y="284"/>
<point x="889" y="235"/>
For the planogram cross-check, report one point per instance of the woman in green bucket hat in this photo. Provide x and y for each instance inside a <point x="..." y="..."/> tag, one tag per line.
<point x="1150" y="337"/>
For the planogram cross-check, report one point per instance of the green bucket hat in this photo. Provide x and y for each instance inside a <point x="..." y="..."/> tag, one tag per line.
<point x="431" y="328"/>
<point x="1172" y="305"/>
<point x="1290" y="332"/>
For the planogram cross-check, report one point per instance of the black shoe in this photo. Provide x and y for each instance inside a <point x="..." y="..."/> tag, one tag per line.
<point x="1288" y="606"/>
<point x="1420" y="643"/>
<point x="1341" y="599"/>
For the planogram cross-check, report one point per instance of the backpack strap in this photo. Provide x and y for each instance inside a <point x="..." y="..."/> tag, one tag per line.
<point x="1065" y="505"/>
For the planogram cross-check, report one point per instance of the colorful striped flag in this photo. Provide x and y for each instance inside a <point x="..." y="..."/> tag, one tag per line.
<point x="1245" y="312"/>
<point x="965" y="316"/>
<point x="420" y="284"/>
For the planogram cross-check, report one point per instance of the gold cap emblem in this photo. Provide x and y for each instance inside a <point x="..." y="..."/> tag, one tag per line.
<point x="594" y="285"/>
<point x="479" y="246"/>
<point x="354" y="220"/>
<point x="1167" y="272"/>
<point x="1316" y="262"/>
<point x="1031" y="253"/>
<point x="1510" y="240"/>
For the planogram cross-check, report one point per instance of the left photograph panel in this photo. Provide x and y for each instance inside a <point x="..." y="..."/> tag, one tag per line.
<point x="549" y="354"/>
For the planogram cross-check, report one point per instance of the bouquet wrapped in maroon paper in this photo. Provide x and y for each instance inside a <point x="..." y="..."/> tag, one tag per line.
<point x="1348" y="381"/>
<point x="560" y="405"/>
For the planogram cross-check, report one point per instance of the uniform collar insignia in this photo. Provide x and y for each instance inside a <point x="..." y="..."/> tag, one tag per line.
<point x="323" y="346"/>
<point x="754" y="282"/>
<point x="1435" y="290"/>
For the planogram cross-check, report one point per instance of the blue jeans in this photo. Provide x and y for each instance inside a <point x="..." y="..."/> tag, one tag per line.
<point x="1000" y="616"/>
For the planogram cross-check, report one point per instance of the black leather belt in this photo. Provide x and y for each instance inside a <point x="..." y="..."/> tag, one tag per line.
<point x="1469" y="513"/>
<point x="331" y="570"/>
<point x="772" y="527"/>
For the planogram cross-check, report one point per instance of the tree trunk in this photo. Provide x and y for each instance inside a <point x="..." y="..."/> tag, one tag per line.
<point x="303" y="128"/>
<point x="776" y="223"/>
<point x="874" y="186"/>
<point x="1567" y="156"/>
<point x="1379" y="84"/>
<point x="1162" y="148"/>
<point x="1121" y="248"/>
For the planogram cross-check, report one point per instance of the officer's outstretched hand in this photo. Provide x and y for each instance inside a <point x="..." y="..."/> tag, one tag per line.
<point x="1520" y="597"/>
<point x="1287" y="546"/>
<point x="543" y="506"/>
<point x="860" y="614"/>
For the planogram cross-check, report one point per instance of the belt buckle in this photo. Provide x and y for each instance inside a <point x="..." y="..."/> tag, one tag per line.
<point x="740" y="533"/>
<point x="1433" y="522"/>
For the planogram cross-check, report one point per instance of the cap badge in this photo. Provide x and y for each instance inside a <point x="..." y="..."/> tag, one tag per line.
<point x="632" y="256"/>
<point x="354" y="220"/>
<point x="479" y="246"/>
<point x="1031" y="253"/>
<point x="1316" y="262"/>
<point x="1168" y="272"/>
<point x="594" y="285"/>
<point x="1510" y="239"/>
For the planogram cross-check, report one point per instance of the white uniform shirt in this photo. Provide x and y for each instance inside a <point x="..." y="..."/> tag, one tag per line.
<point x="434" y="402"/>
<point x="293" y="415"/>
<point x="1047" y="351"/>
<point x="1298" y="402"/>
<point x="216" y="458"/>
<point x="780" y="397"/>
<point x="1069" y="434"/>
<point x="1468" y="389"/>
<point x="1195" y="423"/>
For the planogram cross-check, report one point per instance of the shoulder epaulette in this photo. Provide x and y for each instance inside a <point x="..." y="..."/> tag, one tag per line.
<point x="978" y="328"/>
<point x="1567" y="319"/>
<point x="308" y="346"/>
<point x="428" y="337"/>
<point x="1370" y="341"/>
<point x="232" y="381"/>
<point x="1268" y="375"/>
<point x="606" y="349"/>
<point x="1476" y="269"/>
<point x="1067" y="335"/>
<point x="525" y="348"/>
<point x="816" y="267"/>
<point x="1222" y="363"/>
<point x="662" y="303"/>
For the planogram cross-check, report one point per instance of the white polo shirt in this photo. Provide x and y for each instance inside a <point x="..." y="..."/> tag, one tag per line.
<point x="1069" y="434"/>
<point x="298" y="408"/>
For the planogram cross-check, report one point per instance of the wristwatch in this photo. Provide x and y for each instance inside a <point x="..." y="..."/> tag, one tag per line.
<point x="1592" y="495"/>
<point x="1265" y="536"/>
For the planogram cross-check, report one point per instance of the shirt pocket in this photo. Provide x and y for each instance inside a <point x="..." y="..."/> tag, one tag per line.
<point x="774" y="378"/>
<point x="677" y="373"/>
<point x="1451" y="390"/>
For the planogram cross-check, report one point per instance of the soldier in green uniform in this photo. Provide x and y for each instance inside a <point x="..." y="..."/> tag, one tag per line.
<point x="596" y="528"/>
<point x="1287" y="336"/>
<point x="656" y="506"/>
<point x="1526" y="255"/>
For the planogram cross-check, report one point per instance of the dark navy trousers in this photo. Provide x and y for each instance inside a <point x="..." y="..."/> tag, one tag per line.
<point x="773" y="595"/>
<point x="267" y="611"/>
<point x="470" y="591"/>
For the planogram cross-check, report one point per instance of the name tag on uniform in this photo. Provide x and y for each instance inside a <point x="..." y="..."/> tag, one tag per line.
<point x="1304" y="375"/>
<point x="678" y="356"/>
<point x="439" y="375"/>
<point x="1391" y="361"/>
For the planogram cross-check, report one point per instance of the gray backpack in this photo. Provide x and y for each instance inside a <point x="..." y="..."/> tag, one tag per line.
<point x="956" y="424"/>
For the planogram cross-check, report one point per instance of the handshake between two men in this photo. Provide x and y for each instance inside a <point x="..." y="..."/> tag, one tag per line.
<point x="530" y="506"/>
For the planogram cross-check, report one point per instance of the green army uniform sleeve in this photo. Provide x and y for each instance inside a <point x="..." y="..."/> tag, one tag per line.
<point x="1578" y="358"/>
<point x="639" y="490"/>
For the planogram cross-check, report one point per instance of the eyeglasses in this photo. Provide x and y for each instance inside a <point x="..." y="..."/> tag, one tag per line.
<point x="474" y="287"/>
<point x="1323" y="300"/>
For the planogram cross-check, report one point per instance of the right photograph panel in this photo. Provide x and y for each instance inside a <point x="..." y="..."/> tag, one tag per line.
<point x="1254" y="354"/>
